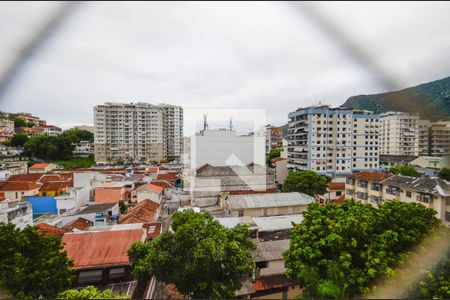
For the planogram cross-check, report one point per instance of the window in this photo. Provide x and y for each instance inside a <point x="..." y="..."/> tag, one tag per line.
<point x="339" y="193"/>
<point x="349" y="192"/>
<point x="426" y="198"/>
<point x="241" y="213"/>
<point x="265" y="211"/>
<point x="408" y="194"/>
<point x="261" y="264"/>
<point x="376" y="187"/>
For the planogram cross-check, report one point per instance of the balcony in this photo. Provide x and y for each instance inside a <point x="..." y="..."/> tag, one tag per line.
<point x="424" y="198"/>
<point x="392" y="190"/>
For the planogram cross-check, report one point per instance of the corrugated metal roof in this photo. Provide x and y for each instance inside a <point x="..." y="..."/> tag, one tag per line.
<point x="268" y="200"/>
<point x="272" y="250"/>
<point x="263" y="223"/>
<point x="90" y="249"/>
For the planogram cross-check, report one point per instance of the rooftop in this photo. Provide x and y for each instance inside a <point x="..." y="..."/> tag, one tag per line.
<point x="400" y="159"/>
<point x="100" y="248"/>
<point x="268" y="200"/>
<point x="371" y="176"/>
<point x="152" y="187"/>
<point x="97" y="208"/>
<point x="40" y="166"/>
<point x="336" y="186"/>
<point x="54" y="186"/>
<point x="10" y="186"/>
<point x="272" y="223"/>
<point x="51" y="230"/>
<point x="432" y="186"/>
<point x="144" y="212"/>
<point x="271" y="250"/>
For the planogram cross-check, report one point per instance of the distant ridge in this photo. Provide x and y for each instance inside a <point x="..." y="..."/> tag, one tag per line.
<point x="430" y="100"/>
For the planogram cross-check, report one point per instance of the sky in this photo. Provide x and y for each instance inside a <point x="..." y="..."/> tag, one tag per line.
<point x="267" y="56"/>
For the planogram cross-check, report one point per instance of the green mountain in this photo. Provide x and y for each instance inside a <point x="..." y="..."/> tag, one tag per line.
<point x="430" y="100"/>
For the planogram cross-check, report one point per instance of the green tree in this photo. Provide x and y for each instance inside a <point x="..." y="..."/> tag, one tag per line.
<point x="18" y="139"/>
<point x="308" y="182"/>
<point x="32" y="264"/>
<point x="435" y="284"/>
<point x="122" y="207"/>
<point x="444" y="173"/>
<point x="339" y="250"/>
<point x="50" y="147"/>
<point x="90" y="292"/>
<point x="405" y="170"/>
<point x="274" y="153"/>
<point x="200" y="256"/>
<point x="78" y="135"/>
<point x="18" y="122"/>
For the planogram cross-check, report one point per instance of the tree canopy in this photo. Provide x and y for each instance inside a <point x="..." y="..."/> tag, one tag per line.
<point x="78" y="135"/>
<point x="19" y="122"/>
<point x="444" y="173"/>
<point x="339" y="250"/>
<point x="50" y="147"/>
<point x="200" y="256"/>
<point x="32" y="264"/>
<point x="405" y="170"/>
<point x="308" y="182"/>
<point x="18" y="139"/>
<point x="89" y="292"/>
<point x="435" y="284"/>
<point x="274" y="153"/>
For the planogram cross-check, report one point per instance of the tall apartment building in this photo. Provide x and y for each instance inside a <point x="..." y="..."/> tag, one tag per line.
<point x="274" y="138"/>
<point x="439" y="139"/>
<point x="139" y="132"/>
<point x="399" y="133"/>
<point x="424" y="138"/>
<point x="333" y="141"/>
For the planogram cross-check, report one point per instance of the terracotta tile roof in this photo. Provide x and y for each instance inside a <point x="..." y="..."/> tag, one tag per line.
<point x="11" y="186"/>
<point x="339" y="200"/>
<point x="272" y="282"/>
<point x="51" y="230"/>
<point x="54" y="186"/>
<point x="371" y="176"/>
<point x="144" y="212"/>
<point x="153" y="187"/>
<point x="171" y="176"/>
<point x="162" y="183"/>
<point x="100" y="248"/>
<point x="40" y="166"/>
<point x="336" y="186"/>
<point x="277" y="159"/>
<point x="152" y="169"/>
<point x="25" y="177"/>
<point x="52" y="178"/>
<point x="153" y="229"/>
<point x="80" y="224"/>
<point x="244" y="192"/>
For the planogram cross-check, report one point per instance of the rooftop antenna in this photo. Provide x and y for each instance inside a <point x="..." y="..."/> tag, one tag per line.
<point x="205" y="123"/>
<point x="231" y="123"/>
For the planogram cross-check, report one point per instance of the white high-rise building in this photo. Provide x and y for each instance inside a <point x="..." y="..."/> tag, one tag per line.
<point x="399" y="133"/>
<point x="139" y="132"/>
<point x="333" y="141"/>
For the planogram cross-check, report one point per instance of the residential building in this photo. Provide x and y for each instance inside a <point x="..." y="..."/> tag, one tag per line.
<point x="333" y="141"/>
<point x="424" y="138"/>
<point x="84" y="149"/>
<point x="4" y="174"/>
<point x="85" y="127"/>
<point x="19" y="190"/>
<point x="42" y="168"/>
<point x="148" y="191"/>
<point x="139" y="132"/>
<point x="274" y="138"/>
<point x="145" y="211"/>
<point x="101" y="257"/>
<point x="29" y="118"/>
<point x="399" y="133"/>
<point x="50" y="130"/>
<point x="16" y="212"/>
<point x="6" y="130"/>
<point x="99" y="214"/>
<point x="335" y="191"/>
<point x="172" y="131"/>
<point x="31" y="131"/>
<point x="366" y="186"/>
<point x="281" y="169"/>
<point x="431" y="162"/>
<point x="389" y="161"/>
<point x="72" y="199"/>
<point x="267" y="204"/>
<point x="112" y="192"/>
<point x="439" y="139"/>
<point x="376" y="188"/>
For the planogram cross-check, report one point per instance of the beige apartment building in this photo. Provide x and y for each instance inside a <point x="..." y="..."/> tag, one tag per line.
<point x="6" y="129"/>
<point x="376" y="188"/>
<point x="399" y="133"/>
<point x="139" y="132"/>
<point x="333" y="141"/>
<point x="439" y="139"/>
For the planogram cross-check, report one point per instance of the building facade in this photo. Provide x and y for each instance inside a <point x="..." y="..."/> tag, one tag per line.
<point x="274" y="138"/>
<point x="399" y="133"/>
<point x="439" y="139"/>
<point x="6" y="129"/>
<point x="139" y="132"/>
<point x="333" y="141"/>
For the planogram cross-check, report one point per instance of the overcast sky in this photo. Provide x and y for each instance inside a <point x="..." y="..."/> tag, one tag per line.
<point x="271" y="56"/>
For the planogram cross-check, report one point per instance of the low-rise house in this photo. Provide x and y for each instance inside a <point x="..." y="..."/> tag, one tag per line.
<point x="19" y="190"/>
<point x="101" y="214"/>
<point x="78" y="224"/>
<point x="389" y="161"/>
<point x="366" y="186"/>
<point x="42" y="168"/>
<point x="19" y="213"/>
<point x="145" y="211"/>
<point x="6" y="129"/>
<point x="273" y="204"/>
<point x="51" y="130"/>
<point x="148" y="191"/>
<point x="72" y="199"/>
<point x="101" y="257"/>
<point x="84" y="149"/>
<point x="112" y="192"/>
<point x="50" y="229"/>
<point x="335" y="190"/>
